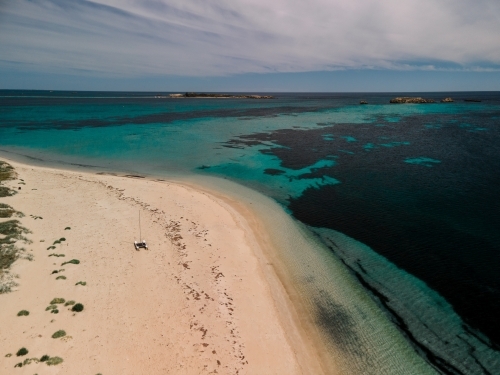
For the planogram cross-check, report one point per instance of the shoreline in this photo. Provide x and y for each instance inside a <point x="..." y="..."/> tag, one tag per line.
<point x="287" y="351"/>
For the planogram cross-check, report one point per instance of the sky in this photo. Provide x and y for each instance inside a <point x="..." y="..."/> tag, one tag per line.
<point x="250" y="45"/>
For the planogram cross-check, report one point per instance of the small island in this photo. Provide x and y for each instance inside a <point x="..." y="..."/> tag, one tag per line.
<point x="409" y="99"/>
<point x="223" y="96"/>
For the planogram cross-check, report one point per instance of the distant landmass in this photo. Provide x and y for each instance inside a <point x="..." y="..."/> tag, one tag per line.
<point x="225" y="96"/>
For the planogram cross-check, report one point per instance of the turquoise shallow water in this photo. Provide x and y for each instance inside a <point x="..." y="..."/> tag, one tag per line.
<point x="414" y="184"/>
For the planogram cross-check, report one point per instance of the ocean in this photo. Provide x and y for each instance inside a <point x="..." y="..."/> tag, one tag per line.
<point x="401" y="197"/>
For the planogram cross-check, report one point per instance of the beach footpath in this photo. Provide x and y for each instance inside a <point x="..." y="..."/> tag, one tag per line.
<point x="78" y="298"/>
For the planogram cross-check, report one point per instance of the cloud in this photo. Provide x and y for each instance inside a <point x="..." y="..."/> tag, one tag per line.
<point x="127" y="38"/>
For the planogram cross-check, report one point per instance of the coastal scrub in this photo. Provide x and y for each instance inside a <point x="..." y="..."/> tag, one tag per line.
<point x="21" y="352"/>
<point x="72" y="261"/>
<point x="52" y="361"/>
<point x="58" y="334"/>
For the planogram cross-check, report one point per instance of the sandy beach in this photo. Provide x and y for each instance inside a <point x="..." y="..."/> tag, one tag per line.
<point x="201" y="300"/>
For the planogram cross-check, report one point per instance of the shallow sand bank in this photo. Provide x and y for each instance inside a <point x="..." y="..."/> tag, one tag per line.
<point x="202" y="299"/>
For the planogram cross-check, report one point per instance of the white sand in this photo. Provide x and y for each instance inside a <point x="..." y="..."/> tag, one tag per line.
<point x="201" y="300"/>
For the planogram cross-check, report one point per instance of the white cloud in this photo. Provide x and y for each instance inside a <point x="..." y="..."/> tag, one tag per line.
<point x="208" y="37"/>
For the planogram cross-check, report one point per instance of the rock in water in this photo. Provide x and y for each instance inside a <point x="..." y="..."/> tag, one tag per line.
<point x="447" y="100"/>
<point x="363" y="102"/>
<point x="409" y="99"/>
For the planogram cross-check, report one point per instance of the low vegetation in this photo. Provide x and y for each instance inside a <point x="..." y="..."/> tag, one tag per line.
<point x="61" y="277"/>
<point x="23" y="313"/>
<point x="21" y="352"/>
<point x="56" y="255"/>
<point x="6" y="171"/>
<point x="56" y="301"/>
<point x="6" y="192"/>
<point x="72" y="261"/>
<point x="56" y="242"/>
<point x="69" y="303"/>
<point x="67" y="228"/>
<point x="7" y="211"/>
<point x="11" y="232"/>
<point x="50" y="361"/>
<point x="58" y="334"/>
<point x="81" y="283"/>
<point x="53" y="361"/>
<point x="77" y="308"/>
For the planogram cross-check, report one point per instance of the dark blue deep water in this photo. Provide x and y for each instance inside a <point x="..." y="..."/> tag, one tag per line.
<point x="417" y="183"/>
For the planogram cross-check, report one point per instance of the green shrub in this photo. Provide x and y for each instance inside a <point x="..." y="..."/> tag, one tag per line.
<point x="72" y="261"/>
<point x="52" y="361"/>
<point x="20" y="364"/>
<point x="6" y="192"/>
<point x="6" y="211"/>
<point x="44" y="358"/>
<point x="8" y="355"/>
<point x="56" y="301"/>
<point x="69" y="303"/>
<point x="21" y="352"/>
<point x="51" y="248"/>
<point x="55" y="311"/>
<point x="23" y="313"/>
<point x="78" y="307"/>
<point x="61" y="277"/>
<point x="67" y="228"/>
<point x="51" y="307"/>
<point x="58" y="334"/>
<point x="81" y="283"/>
<point x="62" y="239"/>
